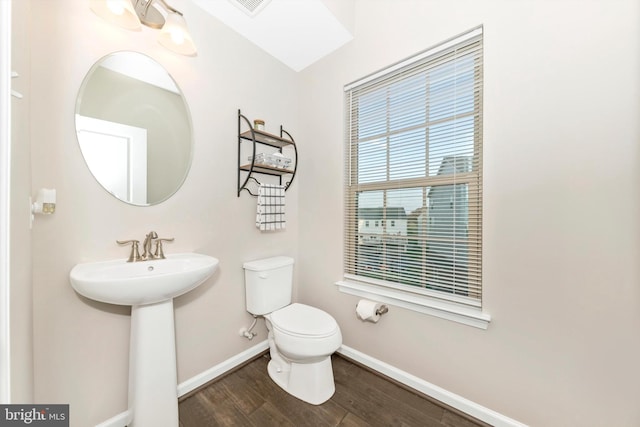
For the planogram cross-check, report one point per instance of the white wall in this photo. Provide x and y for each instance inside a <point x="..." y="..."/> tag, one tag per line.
<point x="81" y="347"/>
<point x="562" y="202"/>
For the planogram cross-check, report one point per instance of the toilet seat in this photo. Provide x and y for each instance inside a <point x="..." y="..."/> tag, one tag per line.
<point x="303" y="321"/>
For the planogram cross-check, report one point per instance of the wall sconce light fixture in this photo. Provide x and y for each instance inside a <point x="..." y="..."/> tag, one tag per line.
<point x="130" y="14"/>
<point x="45" y="203"/>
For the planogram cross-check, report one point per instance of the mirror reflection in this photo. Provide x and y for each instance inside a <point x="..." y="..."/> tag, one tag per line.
<point x="134" y="128"/>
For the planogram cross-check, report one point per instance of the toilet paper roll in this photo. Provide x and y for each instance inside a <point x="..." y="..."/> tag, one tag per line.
<point x="368" y="310"/>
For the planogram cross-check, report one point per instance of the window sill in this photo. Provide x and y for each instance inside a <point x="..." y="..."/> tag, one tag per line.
<point x="443" y="309"/>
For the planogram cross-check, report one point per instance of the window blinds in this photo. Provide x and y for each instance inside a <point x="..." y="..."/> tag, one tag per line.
<point x="413" y="169"/>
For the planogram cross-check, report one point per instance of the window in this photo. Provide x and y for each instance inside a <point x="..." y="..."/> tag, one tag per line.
<point x="414" y="160"/>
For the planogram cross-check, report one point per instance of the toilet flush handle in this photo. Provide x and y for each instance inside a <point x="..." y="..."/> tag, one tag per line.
<point x="263" y="275"/>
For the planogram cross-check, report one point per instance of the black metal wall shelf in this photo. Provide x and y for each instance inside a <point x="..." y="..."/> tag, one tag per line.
<point x="261" y="138"/>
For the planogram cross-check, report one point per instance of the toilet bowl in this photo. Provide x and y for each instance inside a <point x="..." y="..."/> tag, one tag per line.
<point x="301" y="338"/>
<point x="301" y="341"/>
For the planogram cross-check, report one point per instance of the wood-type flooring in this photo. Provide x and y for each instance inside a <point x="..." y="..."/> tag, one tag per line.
<point x="248" y="397"/>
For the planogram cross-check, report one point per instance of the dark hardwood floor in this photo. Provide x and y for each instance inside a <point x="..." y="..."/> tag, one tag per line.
<point x="248" y="397"/>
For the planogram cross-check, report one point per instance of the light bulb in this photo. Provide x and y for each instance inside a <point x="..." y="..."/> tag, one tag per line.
<point x="115" y="6"/>
<point x="177" y="36"/>
<point x="117" y="12"/>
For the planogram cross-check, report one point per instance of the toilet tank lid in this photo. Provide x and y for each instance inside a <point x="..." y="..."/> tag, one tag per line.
<point x="268" y="263"/>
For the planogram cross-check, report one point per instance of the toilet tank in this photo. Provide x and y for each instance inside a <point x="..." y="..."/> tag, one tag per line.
<point x="268" y="284"/>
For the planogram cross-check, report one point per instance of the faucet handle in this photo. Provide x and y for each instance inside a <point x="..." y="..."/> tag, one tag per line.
<point x="159" y="253"/>
<point x="135" y="253"/>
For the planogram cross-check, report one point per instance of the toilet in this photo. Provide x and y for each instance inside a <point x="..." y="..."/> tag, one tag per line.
<point x="301" y="338"/>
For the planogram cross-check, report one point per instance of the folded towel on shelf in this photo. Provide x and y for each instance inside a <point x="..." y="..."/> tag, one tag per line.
<point x="270" y="210"/>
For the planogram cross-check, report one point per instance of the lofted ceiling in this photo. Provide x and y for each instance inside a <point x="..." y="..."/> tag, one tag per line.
<point x="296" y="32"/>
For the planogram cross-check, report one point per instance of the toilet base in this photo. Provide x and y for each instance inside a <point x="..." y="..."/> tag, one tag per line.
<point x="309" y="382"/>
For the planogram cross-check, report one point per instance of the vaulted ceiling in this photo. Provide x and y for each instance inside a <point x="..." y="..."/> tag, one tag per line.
<point x="296" y="32"/>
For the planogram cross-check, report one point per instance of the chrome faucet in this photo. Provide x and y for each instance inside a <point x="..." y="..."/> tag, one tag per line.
<point x="146" y="247"/>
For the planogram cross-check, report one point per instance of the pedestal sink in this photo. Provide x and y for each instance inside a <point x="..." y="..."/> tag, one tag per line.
<point x="149" y="288"/>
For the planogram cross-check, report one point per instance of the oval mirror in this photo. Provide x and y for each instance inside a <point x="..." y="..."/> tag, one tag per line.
<point x="134" y="128"/>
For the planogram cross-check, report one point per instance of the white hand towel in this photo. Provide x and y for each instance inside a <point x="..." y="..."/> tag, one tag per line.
<point x="270" y="207"/>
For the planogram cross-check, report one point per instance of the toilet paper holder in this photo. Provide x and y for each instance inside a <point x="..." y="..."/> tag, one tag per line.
<point x="382" y="310"/>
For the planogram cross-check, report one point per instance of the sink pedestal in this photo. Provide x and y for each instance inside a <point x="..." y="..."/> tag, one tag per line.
<point x="153" y="386"/>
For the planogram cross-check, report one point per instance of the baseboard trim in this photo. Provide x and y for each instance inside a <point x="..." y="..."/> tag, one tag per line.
<point x="458" y="402"/>
<point x="214" y="372"/>
<point x="121" y="420"/>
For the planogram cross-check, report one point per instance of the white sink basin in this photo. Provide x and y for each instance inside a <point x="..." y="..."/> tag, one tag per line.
<point x="144" y="282"/>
